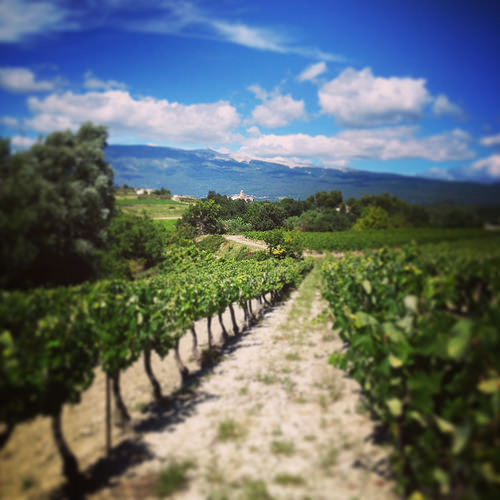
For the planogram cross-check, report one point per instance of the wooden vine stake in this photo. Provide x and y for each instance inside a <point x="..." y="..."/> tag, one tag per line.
<point x="108" y="415"/>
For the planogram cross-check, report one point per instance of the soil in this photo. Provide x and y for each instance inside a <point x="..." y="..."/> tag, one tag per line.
<point x="269" y="419"/>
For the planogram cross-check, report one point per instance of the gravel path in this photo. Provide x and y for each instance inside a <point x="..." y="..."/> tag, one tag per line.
<point x="242" y="240"/>
<point x="272" y="420"/>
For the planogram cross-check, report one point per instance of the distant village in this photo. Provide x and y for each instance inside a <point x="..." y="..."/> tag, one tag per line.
<point x="147" y="191"/>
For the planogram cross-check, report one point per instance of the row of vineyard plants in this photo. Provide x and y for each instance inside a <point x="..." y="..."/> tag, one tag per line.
<point x="52" y="340"/>
<point x="374" y="238"/>
<point x="422" y="338"/>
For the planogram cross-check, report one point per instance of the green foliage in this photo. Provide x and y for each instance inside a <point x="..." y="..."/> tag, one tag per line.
<point x="173" y="478"/>
<point x="362" y="240"/>
<point x="328" y="219"/>
<point x="422" y="330"/>
<point x="204" y="217"/>
<point x="211" y="243"/>
<point x="56" y="202"/>
<point x="265" y="216"/>
<point x="323" y="199"/>
<point x="237" y="225"/>
<point x="51" y="340"/>
<point x="133" y="238"/>
<point x="373" y="217"/>
<point x="281" y="244"/>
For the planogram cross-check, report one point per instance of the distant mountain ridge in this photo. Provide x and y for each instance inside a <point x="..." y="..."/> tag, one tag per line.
<point x="195" y="172"/>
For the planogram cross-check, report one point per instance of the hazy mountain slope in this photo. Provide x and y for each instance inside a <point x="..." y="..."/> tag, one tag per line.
<point x="196" y="172"/>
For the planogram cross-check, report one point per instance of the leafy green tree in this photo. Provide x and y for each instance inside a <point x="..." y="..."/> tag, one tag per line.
<point x="134" y="243"/>
<point x="56" y="202"/>
<point x="204" y="217"/>
<point x="265" y="216"/>
<point x="373" y="218"/>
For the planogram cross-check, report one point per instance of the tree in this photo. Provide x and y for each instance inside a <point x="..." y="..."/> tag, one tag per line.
<point x="265" y="216"/>
<point x="56" y="202"/>
<point x="373" y="218"/>
<point x="204" y="216"/>
<point x="134" y="242"/>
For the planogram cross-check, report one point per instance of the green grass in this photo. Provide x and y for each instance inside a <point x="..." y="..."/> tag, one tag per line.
<point x="289" y="480"/>
<point x="282" y="448"/>
<point x="153" y="207"/>
<point x="229" y="430"/>
<point x="256" y="490"/>
<point x="173" y="478"/>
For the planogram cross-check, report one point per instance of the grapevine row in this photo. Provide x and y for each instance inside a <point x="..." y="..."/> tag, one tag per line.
<point x="423" y="341"/>
<point x="52" y="340"/>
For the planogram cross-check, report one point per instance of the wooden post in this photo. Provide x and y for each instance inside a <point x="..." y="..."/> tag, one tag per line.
<point x="108" y="415"/>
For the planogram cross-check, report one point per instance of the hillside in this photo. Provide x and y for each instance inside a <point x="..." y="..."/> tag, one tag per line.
<point x="195" y="172"/>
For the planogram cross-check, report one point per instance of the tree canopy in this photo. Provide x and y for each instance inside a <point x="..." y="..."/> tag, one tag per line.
<point x="56" y="202"/>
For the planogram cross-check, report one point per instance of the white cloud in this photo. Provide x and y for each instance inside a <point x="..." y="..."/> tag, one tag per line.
<point x="443" y="106"/>
<point x="146" y="117"/>
<point x="359" y="99"/>
<point x="489" y="166"/>
<point x="23" y="18"/>
<point x="491" y="140"/>
<point x="23" y="80"/>
<point x="381" y="144"/>
<point x="180" y="17"/>
<point x="94" y="83"/>
<point x="276" y="110"/>
<point x="9" y="121"/>
<point x="21" y="142"/>
<point x="313" y="71"/>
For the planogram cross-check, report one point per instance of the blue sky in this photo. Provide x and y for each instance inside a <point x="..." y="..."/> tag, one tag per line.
<point x="407" y="87"/>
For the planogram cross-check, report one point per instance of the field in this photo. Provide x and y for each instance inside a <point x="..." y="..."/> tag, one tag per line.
<point x="361" y="240"/>
<point x="155" y="208"/>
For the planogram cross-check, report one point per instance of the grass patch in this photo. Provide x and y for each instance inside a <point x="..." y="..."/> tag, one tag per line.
<point x="283" y="448"/>
<point x="289" y="480"/>
<point x="256" y="490"/>
<point x="244" y="391"/>
<point x="329" y="456"/>
<point x="174" y="477"/>
<point x="292" y="356"/>
<point x="229" y="430"/>
<point x="268" y="378"/>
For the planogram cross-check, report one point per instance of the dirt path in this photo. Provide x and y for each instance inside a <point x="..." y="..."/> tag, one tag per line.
<point x="242" y="240"/>
<point x="271" y="419"/>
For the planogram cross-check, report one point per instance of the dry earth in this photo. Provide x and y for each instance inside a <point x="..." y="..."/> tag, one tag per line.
<point x="271" y="419"/>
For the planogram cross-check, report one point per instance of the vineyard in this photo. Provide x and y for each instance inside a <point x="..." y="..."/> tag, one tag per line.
<point x="361" y="240"/>
<point x="421" y="334"/>
<point x="419" y="326"/>
<point x="53" y="340"/>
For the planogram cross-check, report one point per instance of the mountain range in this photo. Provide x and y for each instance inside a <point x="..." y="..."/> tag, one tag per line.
<point x="195" y="172"/>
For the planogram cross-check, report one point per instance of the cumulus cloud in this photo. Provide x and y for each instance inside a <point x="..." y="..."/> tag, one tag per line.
<point x="491" y="140"/>
<point x="313" y="71"/>
<point x="489" y="166"/>
<point x="276" y="110"/>
<point x="23" y="18"/>
<point x="94" y="83"/>
<point x="145" y="117"/>
<point x="21" y="142"/>
<point x="23" y="80"/>
<point x="443" y="106"/>
<point x="9" y="121"/>
<point x="381" y="144"/>
<point x="359" y="99"/>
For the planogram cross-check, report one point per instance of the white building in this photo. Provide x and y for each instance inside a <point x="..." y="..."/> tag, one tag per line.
<point x="242" y="196"/>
